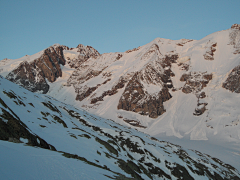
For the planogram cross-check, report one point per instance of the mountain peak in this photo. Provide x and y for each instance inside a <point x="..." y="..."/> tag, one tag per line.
<point x="235" y="26"/>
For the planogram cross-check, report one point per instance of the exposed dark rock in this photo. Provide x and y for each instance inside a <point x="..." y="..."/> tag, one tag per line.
<point x="184" y="66"/>
<point x="209" y="55"/>
<point x="166" y="63"/>
<point x="169" y="59"/>
<point x="202" y="95"/>
<point x="76" y="80"/>
<point x="86" y="52"/>
<point x="184" y="41"/>
<point x="105" y="93"/>
<point x="120" y="84"/>
<point x="134" y="123"/>
<point x="131" y="50"/>
<point x="235" y="26"/>
<point x="83" y="72"/>
<point x="12" y="129"/>
<point x="185" y="77"/>
<point x="50" y="62"/>
<point x="233" y="81"/>
<point x="85" y="93"/>
<point x="131" y="151"/>
<point x="195" y="81"/>
<point x="33" y="75"/>
<point x="119" y="56"/>
<point x="234" y="37"/>
<point x="201" y="108"/>
<point x="137" y="100"/>
<point x="29" y="77"/>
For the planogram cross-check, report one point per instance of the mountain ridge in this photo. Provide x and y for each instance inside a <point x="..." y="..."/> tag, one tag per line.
<point x="152" y="85"/>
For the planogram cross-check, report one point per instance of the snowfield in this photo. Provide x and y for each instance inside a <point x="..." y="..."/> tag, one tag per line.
<point x="75" y="144"/>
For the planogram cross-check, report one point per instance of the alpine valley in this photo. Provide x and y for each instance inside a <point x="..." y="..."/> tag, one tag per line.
<point x="165" y="110"/>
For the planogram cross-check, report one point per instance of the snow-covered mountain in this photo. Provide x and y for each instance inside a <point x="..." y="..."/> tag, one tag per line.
<point x="57" y="141"/>
<point x="178" y="87"/>
<point x="187" y="89"/>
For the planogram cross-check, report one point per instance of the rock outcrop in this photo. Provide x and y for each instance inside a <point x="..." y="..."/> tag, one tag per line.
<point x="85" y="52"/>
<point x="232" y="83"/>
<point x="119" y="85"/>
<point x="135" y="98"/>
<point x="32" y="75"/>
<point x="234" y="37"/>
<point x="235" y="26"/>
<point x="209" y="55"/>
<point x="12" y="129"/>
<point x="146" y="91"/>
<point x="195" y="81"/>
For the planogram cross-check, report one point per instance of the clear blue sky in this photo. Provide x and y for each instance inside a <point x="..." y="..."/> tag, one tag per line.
<point x="29" y="26"/>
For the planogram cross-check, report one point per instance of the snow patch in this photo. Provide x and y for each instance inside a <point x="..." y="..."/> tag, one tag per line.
<point x="183" y="59"/>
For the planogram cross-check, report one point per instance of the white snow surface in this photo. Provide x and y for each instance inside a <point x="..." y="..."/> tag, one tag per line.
<point x="19" y="161"/>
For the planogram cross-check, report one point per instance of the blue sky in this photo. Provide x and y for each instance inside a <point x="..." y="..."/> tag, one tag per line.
<point x="29" y="26"/>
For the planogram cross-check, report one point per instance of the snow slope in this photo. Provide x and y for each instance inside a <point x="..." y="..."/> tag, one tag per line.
<point x="19" y="161"/>
<point x="86" y="146"/>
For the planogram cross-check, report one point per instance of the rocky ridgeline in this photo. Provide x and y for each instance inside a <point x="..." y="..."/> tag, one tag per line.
<point x="84" y="71"/>
<point x="235" y="26"/>
<point x="33" y="75"/>
<point x="85" y="52"/>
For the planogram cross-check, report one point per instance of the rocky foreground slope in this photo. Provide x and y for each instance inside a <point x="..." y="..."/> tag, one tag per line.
<point x="94" y="147"/>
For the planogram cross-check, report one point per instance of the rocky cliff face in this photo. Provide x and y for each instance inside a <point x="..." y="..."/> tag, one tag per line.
<point x="136" y="99"/>
<point x="33" y="75"/>
<point x="195" y="81"/>
<point x="148" y="89"/>
<point x="30" y="77"/>
<point x="232" y="83"/>
<point x="136" y="81"/>
<point x="234" y="37"/>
